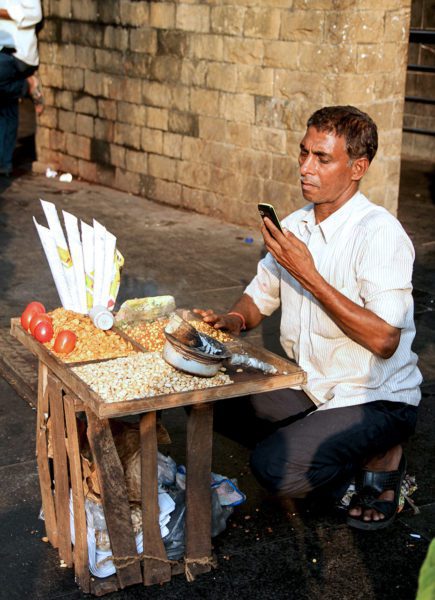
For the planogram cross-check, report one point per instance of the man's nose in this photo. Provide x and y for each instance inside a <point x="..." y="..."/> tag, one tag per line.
<point x="307" y="164"/>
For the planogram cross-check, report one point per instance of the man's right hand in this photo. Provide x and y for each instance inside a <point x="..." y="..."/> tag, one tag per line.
<point x="231" y="323"/>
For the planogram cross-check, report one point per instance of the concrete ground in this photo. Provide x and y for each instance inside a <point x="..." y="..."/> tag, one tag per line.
<point x="266" y="551"/>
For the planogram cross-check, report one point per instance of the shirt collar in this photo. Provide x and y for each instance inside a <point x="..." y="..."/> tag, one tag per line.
<point x="330" y="225"/>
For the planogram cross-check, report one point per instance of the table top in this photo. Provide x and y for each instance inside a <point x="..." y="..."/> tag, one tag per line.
<point x="245" y="382"/>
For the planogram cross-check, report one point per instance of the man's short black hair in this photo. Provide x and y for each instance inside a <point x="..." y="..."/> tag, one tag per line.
<point x="358" y="129"/>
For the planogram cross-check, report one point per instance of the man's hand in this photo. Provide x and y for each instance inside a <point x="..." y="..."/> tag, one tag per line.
<point x="231" y="323"/>
<point x="292" y="254"/>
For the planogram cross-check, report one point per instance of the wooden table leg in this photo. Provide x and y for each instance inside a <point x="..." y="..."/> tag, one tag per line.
<point x="81" y="558"/>
<point x="115" y="499"/>
<point x="155" y="571"/>
<point x="61" y="483"/>
<point x="42" y="457"/>
<point x="198" y="491"/>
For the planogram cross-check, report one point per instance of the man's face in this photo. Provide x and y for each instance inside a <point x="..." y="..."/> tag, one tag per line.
<point x="327" y="176"/>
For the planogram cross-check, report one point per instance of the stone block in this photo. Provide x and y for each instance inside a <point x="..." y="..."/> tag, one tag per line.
<point x="279" y="194"/>
<point x="78" y="145"/>
<point x="61" y="8"/>
<point x="85" y="57"/>
<point x="183" y="122"/>
<point x="356" y="90"/>
<point x="84" y="34"/>
<point x="255" y="163"/>
<point x="100" y="152"/>
<point x="223" y="181"/>
<point x="211" y="128"/>
<point x="252" y="190"/>
<point x="194" y="174"/>
<point x="370" y="58"/>
<point x="272" y="112"/>
<point x="64" y="54"/>
<point x="204" y="102"/>
<point x="124" y="89"/>
<point x="49" y="97"/>
<point x="299" y="85"/>
<point x="137" y="65"/>
<point x="396" y="26"/>
<point x="354" y="26"/>
<point x="167" y="192"/>
<point x="165" y="68"/>
<point x="162" y="167"/>
<point x="57" y="140"/>
<point x="109" y="11"/>
<point x="303" y="25"/>
<point x="285" y="169"/>
<point x="42" y="137"/>
<point x="143" y="40"/>
<point x="172" y="144"/>
<point x="157" y="118"/>
<point x="53" y="74"/>
<point x="52" y="31"/>
<point x="84" y="11"/>
<point x="106" y="175"/>
<point x="85" y="104"/>
<point x="61" y="99"/>
<point x="117" y="155"/>
<point x="175" y="43"/>
<point x="127" y="135"/>
<point x="109" y="61"/>
<point x="262" y="23"/>
<point x="321" y="58"/>
<point x="241" y="51"/>
<point x="85" y="125"/>
<point x="281" y="55"/>
<point x="162" y="15"/>
<point x="238" y="134"/>
<point x="48" y="118"/>
<point x="152" y="140"/>
<point x="237" y="107"/>
<point x="199" y="200"/>
<point x="207" y="47"/>
<point x="156" y="94"/>
<point x="127" y="181"/>
<point x="116" y="38"/>
<point x="135" y="14"/>
<point x="192" y="148"/>
<point x="104" y="129"/>
<point x="137" y="162"/>
<point x="67" y="121"/>
<point x="222" y="77"/>
<point x="67" y="163"/>
<point x="194" y="73"/>
<point x="227" y="20"/>
<point x="74" y="79"/>
<point x="107" y="109"/>
<point x="269" y="140"/>
<point x="255" y="80"/>
<point x="192" y="17"/>
<point x="180" y="98"/>
<point x="94" y="83"/>
<point x="135" y="114"/>
<point x="87" y="170"/>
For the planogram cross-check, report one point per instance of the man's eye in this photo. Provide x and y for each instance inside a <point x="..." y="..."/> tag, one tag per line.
<point x="324" y="161"/>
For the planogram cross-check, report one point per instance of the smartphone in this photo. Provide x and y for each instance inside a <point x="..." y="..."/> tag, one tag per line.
<point x="267" y="210"/>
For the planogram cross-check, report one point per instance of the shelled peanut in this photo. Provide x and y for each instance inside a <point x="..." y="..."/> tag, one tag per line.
<point x="92" y="343"/>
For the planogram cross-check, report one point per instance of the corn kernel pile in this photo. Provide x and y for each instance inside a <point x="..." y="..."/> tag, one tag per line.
<point x="92" y="343"/>
<point x="150" y="333"/>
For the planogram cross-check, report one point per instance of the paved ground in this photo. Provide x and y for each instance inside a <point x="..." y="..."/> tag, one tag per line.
<point x="266" y="551"/>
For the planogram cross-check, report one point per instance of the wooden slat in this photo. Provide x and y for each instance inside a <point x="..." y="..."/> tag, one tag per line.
<point x="154" y="570"/>
<point x="42" y="458"/>
<point x="60" y="465"/>
<point x="198" y="492"/>
<point x="114" y="496"/>
<point x="81" y="545"/>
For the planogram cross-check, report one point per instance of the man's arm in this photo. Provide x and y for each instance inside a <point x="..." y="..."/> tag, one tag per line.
<point x="358" y="323"/>
<point x="243" y="313"/>
<point x="5" y="15"/>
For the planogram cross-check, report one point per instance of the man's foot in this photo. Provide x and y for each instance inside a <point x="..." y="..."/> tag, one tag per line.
<point x="378" y="490"/>
<point x="35" y="92"/>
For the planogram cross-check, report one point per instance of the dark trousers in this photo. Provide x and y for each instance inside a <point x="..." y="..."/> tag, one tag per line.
<point x="299" y="451"/>
<point x="13" y="86"/>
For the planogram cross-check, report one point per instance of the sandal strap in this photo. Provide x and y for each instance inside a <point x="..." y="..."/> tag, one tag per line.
<point x="387" y="507"/>
<point x="376" y="482"/>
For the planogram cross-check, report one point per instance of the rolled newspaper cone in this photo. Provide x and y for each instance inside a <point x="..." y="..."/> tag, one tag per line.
<point x="75" y="246"/>
<point x="88" y="260"/>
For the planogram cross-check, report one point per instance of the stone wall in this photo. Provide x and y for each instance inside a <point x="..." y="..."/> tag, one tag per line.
<point x="202" y="103"/>
<point x="420" y="115"/>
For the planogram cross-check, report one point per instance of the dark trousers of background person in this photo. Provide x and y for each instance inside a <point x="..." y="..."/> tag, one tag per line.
<point x="302" y="452"/>
<point x="13" y="86"/>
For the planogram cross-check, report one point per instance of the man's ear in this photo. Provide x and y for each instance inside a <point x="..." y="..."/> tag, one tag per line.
<point x="359" y="168"/>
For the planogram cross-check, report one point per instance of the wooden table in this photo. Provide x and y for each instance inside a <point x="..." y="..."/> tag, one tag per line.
<point x="61" y="396"/>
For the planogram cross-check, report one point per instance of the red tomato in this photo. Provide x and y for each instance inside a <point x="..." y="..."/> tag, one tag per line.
<point x="38" y="305"/>
<point x="65" y="341"/>
<point x="27" y="316"/>
<point x="38" y="318"/>
<point x="43" y="331"/>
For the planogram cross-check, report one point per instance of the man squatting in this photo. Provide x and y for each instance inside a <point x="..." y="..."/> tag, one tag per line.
<point x="341" y="272"/>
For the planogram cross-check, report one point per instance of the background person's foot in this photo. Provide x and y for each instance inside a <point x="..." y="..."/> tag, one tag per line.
<point x="35" y="92"/>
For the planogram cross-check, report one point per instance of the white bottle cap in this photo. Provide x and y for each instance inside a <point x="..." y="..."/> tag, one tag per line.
<point x="101" y="317"/>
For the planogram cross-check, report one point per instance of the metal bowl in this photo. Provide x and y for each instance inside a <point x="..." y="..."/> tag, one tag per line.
<point x="189" y="362"/>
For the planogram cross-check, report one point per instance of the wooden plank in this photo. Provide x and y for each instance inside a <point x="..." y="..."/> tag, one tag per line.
<point x="155" y="571"/>
<point x="80" y="552"/>
<point x="115" y="501"/>
<point x="42" y="459"/>
<point x="61" y="482"/>
<point x="198" y="492"/>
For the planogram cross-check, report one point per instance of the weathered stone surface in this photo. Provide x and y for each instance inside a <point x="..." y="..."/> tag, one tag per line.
<point x="193" y="17"/>
<point x="162" y="14"/>
<point x="184" y="123"/>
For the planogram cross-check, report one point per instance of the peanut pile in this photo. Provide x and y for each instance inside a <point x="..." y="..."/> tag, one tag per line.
<point x="150" y="333"/>
<point x="92" y="343"/>
<point x="142" y="375"/>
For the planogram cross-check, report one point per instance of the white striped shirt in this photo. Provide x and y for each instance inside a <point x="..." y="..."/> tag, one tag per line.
<point x="365" y="254"/>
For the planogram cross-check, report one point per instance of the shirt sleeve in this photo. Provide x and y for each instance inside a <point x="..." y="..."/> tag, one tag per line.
<point x="264" y="289"/>
<point x="384" y="274"/>
<point x="26" y="13"/>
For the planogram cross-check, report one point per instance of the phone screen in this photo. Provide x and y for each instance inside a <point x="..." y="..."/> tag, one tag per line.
<point x="267" y="210"/>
